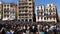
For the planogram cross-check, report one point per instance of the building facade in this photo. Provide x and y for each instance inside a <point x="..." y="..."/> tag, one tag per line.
<point x="46" y="14"/>
<point x="25" y="10"/>
<point x="13" y="9"/>
<point x="1" y="7"/>
<point x="51" y="13"/>
<point x="40" y="13"/>
<point x="9" y="11"/>
<point x="5" y="11"/>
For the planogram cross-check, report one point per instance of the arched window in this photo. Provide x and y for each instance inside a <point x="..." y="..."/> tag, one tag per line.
<point x="26" y="20"/>
<point x="22" y="19"/>
<point x="30" y="19"/>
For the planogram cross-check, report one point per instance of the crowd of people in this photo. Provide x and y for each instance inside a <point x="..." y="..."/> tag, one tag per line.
<point x="31" y="28"/>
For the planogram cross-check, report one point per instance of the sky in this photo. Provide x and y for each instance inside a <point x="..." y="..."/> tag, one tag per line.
<point x="37" y="2"/>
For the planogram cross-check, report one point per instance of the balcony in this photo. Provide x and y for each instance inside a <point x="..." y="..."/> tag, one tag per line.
<point x="24" y="9"/>
<point x="40" y="15"/>
<point x="51" y="15"/>
<point x="40" y="11"/>
<point x="23" y="13"/>
<point x="6" y="13"/>
<point x="23" y="16"/>
<point x="23" y="5"/>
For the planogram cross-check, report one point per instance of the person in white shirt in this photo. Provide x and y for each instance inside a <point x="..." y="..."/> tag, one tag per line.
<point x="24" y="33"/>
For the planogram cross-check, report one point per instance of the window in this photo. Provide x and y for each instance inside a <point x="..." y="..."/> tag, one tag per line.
<point x="41" y="10"/>
<point x="25" y="15"/>
<point x="19" y="7"/>
<point x="7" y="15"/>
<point x="30" y="19"/>
<point x="4" y="5"/>
<point x="25" y="11"/>
<point x="47" y="10"/>
<point x="22" y="19"/>
<point x="50" y="10"/>
<point x="11" y="5"/>
<point x="7" y="8"/>
<point x="45" y="14"/>
<point x="30" y="3"/>
<point x="53" y="9"/>
<point x="38" y="7"/>
<point x="44" y="18"/>
<point x="29" y="14"/>
<point x="41" y="13"/>
<point x="47" y="18"/>
<point x="26" y="7"/>
<point x="53" y="13"/>
<point x="29" y="0"/>
<point x="26" y="20"/>
<point x="50" y="13"/>
<point x="54" y="18"/>
<point x="4" y="8"/>
<point x="4" y="15"/>
<point x="29" y="11"/>
<point x="19" y="14"/>
<point x="49" y="5"/>
<point x="19" y="11"/>
<point x="18" y="20"/>
<point x="41" y="7"/>
<point x="19" y="4"/>
<point x="50" y="18"/>
<point x="30" y="7"/>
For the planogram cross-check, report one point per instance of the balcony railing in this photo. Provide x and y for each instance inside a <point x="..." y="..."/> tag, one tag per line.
<point x="23" y="9"/>
<point x="51" y="15"/>
<point x="23" y="17"/>
<point x="23" y="5"/>
<point x="40" y="11"/>
<point x="6" y="13"/>
<point x="23" y="12"/>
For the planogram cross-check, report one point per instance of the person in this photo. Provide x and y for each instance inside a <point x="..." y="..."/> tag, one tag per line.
<point x="24" y="33"/>
<point x="41" y="31"/>
<point x="8" y="32"/>
<point x="12" y="31"/>
<point x="55" y="31"/>
<point x="3" y="31"/>
<point x="27" y="31"/>
<point x="24" y="29"/>
<point x="0" y="32"/>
